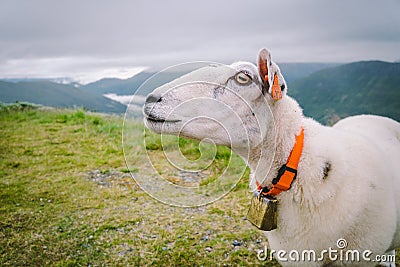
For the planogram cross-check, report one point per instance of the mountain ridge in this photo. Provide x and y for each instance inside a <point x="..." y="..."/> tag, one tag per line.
<point x="52" y="94"/>
<point x="363" y="87"/>
<point x="331" y="92"/>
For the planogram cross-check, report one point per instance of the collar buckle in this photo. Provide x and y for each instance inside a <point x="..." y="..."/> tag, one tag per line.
<point x="288" y="172"/>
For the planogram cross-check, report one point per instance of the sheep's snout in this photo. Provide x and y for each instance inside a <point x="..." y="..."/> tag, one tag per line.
<point x="153" y="98"/>
<point x="149" y="106"/>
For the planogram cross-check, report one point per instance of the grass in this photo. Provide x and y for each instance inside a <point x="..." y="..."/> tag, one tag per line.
<point x="189" y="155"/>
<point x="67" y="198"/>
<point x="57" y="209"/>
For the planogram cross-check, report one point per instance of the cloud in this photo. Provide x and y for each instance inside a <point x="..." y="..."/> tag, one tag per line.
<point x="83" y="69"/>
<point x="127" y="34"/>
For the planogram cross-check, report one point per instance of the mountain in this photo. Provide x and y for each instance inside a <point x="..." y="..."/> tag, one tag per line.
<point x="292" y="71"/>
<point x="117" y="86"/>
<point x="295" y="71"/>
<point x="56" y="95"/>
<point x="131" y="85"/>
<point x="326" y="91"/>
<point x="367" y="87"/>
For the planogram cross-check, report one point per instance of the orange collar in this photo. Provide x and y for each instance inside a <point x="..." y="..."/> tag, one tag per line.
<point x="288" y="172"/>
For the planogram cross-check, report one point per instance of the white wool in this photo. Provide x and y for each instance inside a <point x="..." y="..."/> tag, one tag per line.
<point x="348" y="180"/>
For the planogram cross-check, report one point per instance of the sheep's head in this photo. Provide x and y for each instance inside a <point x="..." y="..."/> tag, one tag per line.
<point x="229" y="105"/>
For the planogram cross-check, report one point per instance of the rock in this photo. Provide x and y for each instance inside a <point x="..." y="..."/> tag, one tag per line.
<point x="237" y="243"/>
<point x="208" y="249"/>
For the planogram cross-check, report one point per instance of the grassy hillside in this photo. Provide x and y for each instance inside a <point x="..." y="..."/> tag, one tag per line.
<point x="371" y="87"/>
<point x="56" y="95"/>
<point x="67" y="200"/>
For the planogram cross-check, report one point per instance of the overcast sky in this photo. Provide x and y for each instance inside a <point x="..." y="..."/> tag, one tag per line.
<point x="88" y="39"/>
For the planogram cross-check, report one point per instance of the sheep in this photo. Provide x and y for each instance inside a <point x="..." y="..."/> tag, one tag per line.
<point x="347" y="179"/>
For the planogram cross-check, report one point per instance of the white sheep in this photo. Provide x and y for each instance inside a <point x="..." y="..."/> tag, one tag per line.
<point x="348" y="177"/>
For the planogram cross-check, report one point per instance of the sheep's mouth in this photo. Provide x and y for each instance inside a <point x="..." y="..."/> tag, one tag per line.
<point x="155" y="119"/>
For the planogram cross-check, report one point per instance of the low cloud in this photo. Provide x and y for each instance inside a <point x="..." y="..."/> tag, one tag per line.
<point x="48" y="38"/>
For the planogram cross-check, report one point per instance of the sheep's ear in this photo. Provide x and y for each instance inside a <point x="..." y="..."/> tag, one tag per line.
<point x="270" y="75"/>
<point x="264" y="61"/>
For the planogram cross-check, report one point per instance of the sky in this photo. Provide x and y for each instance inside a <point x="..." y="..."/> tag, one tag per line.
<point x="90" y="39"/>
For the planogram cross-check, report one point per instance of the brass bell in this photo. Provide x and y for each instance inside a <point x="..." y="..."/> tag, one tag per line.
<point x="263" y="212"/>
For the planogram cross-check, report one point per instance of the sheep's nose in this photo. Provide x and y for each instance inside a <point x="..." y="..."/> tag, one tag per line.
<point x="152" y="98"/>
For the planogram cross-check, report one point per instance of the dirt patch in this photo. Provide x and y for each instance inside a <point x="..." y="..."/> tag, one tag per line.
<point x="112" y="178"/>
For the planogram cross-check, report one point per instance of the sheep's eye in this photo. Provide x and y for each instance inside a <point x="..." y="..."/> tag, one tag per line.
<point x="242" y="78"/>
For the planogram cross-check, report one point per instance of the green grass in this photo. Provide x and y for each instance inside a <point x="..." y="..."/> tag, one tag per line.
<point x="53" y="214"/>
<point x="191" y="155"/>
